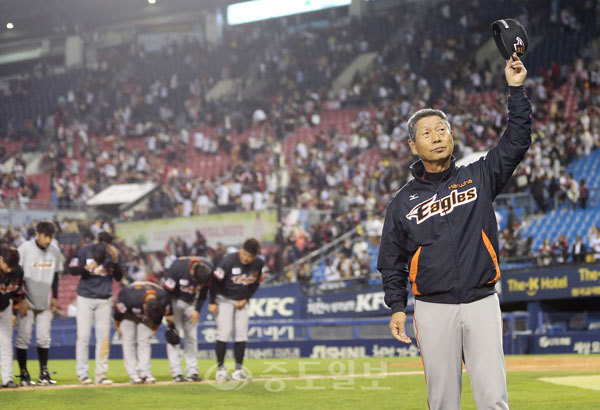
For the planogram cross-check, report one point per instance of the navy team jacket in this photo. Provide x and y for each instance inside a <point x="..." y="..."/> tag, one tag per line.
<point x="444" y="238"/>
<point x="180" y="284"/>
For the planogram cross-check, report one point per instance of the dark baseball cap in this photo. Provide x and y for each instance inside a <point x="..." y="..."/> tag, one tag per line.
<point x="510" y="37"/>
<point x="155" y="310"/>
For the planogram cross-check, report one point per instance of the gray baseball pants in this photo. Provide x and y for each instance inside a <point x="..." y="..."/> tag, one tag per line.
<point x="450" y="333"/>
<point x="96" y="311"/>
<point x="181" y="313"/>
<point x="229" y="318"/>
<point x="43" y="321"/>
<point x="6" y="346"/>
<point x="137" y="361"/>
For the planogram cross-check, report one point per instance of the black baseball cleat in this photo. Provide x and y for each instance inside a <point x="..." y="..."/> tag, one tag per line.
<point x="45" y="379"/>
<point x="26" y="379"/>
<point x="10" y="385"/>
<point x="193" y="378"/>
<point x="178" y="379"/>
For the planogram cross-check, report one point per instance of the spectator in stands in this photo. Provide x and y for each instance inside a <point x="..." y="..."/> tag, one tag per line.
<point x="373" y="228"/>
<point x="304" y="276"/>
<point x="508" y="243"/>
<point x="594" y="242"/>
<point x="333" y="276"/>
<point x="137" y="270"/>
<point x="573" y="191"/>
<point x="524" y="246"/>
<point x="545" y="254"/>
<point x="583" y="194"/>
<point x="560" y="248"/>
<point x="578" y="250"/>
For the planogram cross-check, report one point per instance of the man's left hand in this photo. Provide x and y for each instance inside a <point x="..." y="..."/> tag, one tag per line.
<point x="54" y="305"/>
<point x="194" y="316"/>
<point x="239" y="305"/>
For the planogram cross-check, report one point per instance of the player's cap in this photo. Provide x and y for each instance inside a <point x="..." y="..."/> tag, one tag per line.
<point x="202" y="272"/>
<point x="510" y="37"/>
<point x="154" y="310"/>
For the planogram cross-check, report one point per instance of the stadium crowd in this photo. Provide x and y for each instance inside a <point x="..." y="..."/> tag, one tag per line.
<point x="136" y="115"/>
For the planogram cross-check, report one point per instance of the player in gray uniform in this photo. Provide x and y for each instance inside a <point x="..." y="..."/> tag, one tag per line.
<point x="41" y="262"/>
<point x="11" y="294"/>
<point x="235" y="280"/>
<point x="98" y="264"/>
<point x="187" y="282"/>
<point x="138" y="312"/>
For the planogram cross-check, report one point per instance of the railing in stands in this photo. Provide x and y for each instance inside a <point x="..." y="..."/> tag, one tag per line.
<point x="317" y="256"/>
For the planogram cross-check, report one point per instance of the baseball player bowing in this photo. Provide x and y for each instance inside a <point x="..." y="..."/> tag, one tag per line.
<point x="41" y="262"/>
<point x="187" y="281"/>
<point x="11" y="294"/>
<point x="98" y="265"/>
<point x="137" y="315"/>
<point x="440" y="232"/>
<point x="235" y="280"/>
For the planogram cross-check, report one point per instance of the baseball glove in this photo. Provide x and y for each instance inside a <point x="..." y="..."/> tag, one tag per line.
<point x="172" y="336"/>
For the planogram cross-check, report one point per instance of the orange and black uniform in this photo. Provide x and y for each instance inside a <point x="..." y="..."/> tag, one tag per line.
<point x="444" y="236"/>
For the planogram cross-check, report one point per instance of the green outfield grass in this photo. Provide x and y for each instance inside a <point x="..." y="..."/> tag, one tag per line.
<point x="336" y="390"/>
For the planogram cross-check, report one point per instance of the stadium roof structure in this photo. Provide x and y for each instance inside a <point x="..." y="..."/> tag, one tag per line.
<point x="120" y="197"/>
<point x="43" y="18"/>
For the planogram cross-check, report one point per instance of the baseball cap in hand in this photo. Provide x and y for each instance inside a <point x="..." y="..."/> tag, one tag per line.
<point x="510" y="37"/>
<point x="172" y="336"/>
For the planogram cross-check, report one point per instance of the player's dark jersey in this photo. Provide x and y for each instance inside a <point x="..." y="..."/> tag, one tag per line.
<point x="95" y="283"/>
<point x="11" y="287"/>
<point x="180" y="284"/>
<point x="130" y="302"/>
<point x="236" y="281"/>
<point x="444" y="237"/>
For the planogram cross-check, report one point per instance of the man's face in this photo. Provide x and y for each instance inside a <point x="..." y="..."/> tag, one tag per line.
<point x="433" y="141"/>
<point x="43" y="240"/>
<point x="246" y="257"/>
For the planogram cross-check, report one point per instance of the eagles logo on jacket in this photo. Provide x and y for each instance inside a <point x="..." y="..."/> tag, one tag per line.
<point x="444" y="237"/>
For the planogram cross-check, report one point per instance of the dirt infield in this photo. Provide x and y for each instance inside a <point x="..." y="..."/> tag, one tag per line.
<point x="536" y="363"/>
<point x="214" y="382"/>
<point x="556" y="362"/>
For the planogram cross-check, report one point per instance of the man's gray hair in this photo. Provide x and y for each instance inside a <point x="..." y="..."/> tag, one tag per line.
<point x="425" y="112"/>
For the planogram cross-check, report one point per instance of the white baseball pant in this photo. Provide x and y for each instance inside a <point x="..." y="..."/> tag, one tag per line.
<point x="43" y="321"/>
<point x="447" y="333"/>
<point x="181" y="313"/>
<point x="6" y="346"/>
<point x="96" y="311"/>
<point x="230" y="318"/>
<point x="137" y="361"/>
